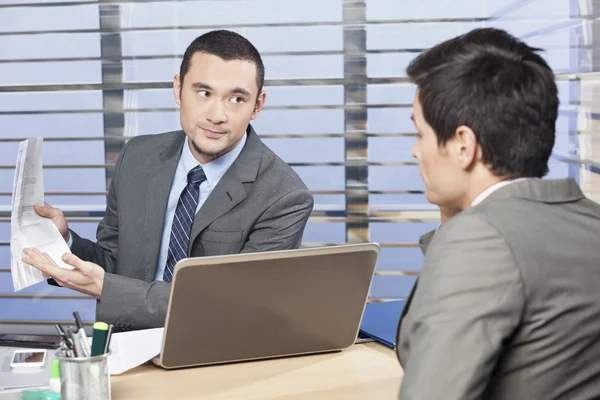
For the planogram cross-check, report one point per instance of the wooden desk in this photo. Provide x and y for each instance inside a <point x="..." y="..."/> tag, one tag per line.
<point x="364" y="371"/>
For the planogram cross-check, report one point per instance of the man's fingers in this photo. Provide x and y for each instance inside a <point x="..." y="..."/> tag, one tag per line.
<point x="37" y="255"/>
<point x="42" y="257"/>
<point x="48" y="258"/>
<point x="45" y="211"/>
<point x="40" y="211"/>
<point x="29" y="261"/>
<point x="42" y="262"/>
<point x="79" y="278"/>
<point x="37" y="264"/>
<point x="60" y="283"/>
<point x="76" y="262"/>
<point x="32" y="253"/>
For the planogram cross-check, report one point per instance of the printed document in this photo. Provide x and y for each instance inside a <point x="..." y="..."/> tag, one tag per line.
<point x="131" y="349"/>
<point x="28" y="229"/>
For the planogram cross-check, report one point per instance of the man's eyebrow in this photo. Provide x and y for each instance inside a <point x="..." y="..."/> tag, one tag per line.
<point x="204" y="86"/>
<point x="412" y="118"/>
<point x="200" y="85"/>
<point x="240" y="90"/>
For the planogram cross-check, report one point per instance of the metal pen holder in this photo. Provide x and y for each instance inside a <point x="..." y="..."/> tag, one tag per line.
<point x="84" y="378"/>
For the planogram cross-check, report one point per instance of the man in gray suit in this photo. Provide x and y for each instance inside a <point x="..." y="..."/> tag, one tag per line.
<point x="246" y="198"/>
<point x="507" y="305"/>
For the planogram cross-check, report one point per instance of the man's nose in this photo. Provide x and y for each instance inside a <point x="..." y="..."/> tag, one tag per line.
<point x="216" y="113"/>
<point x="415" y="152"/>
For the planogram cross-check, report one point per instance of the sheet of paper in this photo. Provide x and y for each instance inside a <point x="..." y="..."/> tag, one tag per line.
<point x="27" y="228"/>
<point x="131" y="349"/>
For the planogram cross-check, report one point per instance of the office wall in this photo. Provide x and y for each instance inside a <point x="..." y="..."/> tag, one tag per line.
<point x="338" y="107"/>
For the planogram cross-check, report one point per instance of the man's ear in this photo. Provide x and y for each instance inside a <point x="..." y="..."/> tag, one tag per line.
<point x="177" y="89"/>
<point x="260" y="102"/>
<point x="465" y="147"/>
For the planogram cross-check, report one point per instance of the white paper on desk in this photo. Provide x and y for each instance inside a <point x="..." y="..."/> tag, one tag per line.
<point x="28" y="229"/>
<point x="131" y="349"/>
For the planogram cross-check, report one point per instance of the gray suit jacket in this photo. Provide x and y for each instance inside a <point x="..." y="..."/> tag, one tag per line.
<point x="260" y="204"/>
<point x="508" y="301"/>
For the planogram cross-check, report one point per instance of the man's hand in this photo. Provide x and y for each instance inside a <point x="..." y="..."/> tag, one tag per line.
<point x="56" y="216"/>
<point x="87" y="277"/>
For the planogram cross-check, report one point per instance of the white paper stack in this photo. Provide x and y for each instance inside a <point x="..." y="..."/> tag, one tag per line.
<point x="28" y="229"/>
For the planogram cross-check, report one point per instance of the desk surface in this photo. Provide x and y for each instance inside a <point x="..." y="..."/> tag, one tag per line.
<point x="364" y="371"/>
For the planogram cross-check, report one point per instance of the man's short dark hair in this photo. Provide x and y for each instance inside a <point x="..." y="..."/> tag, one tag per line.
<point x="499" y="87"/>
<point x="228" y="46"/>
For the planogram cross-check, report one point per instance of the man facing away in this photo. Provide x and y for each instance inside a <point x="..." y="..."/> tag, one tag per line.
<point x="507" y="305"/>
<point x="213" y="188"/>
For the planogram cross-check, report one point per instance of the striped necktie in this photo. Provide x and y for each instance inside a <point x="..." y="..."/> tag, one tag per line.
<point x="182" y="221"/>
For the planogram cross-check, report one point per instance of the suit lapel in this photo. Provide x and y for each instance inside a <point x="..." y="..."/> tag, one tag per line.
<point x="423" y="243"/>
<point x="230" y="190"/>
<point x="159" y="178"/>
<point x="409" y="300"/>
<point x="227" y="194"/>
<point x="402" y="315"/>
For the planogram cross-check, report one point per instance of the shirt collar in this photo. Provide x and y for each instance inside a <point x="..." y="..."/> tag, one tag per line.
<point x="483" y="195"/>
<point x="215" y="169"/>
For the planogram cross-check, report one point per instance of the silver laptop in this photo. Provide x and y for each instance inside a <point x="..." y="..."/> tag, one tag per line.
<point x="263" y="305"/>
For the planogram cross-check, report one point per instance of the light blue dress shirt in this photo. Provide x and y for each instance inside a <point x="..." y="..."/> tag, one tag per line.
<point x="213" y="170"/>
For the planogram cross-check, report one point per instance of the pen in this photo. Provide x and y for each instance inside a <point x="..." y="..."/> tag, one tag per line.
<point x="61" y="332"/>
<point x="85" y="345"/>
<point x="65" y="347"/>
<point x="64" y="343"/>
<point x="83" y="342"/>
<point x="107" y="346"/>
<point x="76" y="342"/>
<point x="66" y="339"/>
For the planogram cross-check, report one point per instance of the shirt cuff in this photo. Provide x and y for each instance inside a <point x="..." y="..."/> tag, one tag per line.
<point x="70" y="242"/>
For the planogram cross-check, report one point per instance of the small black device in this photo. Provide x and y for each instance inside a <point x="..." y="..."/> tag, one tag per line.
<point x="30" y="341"/>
